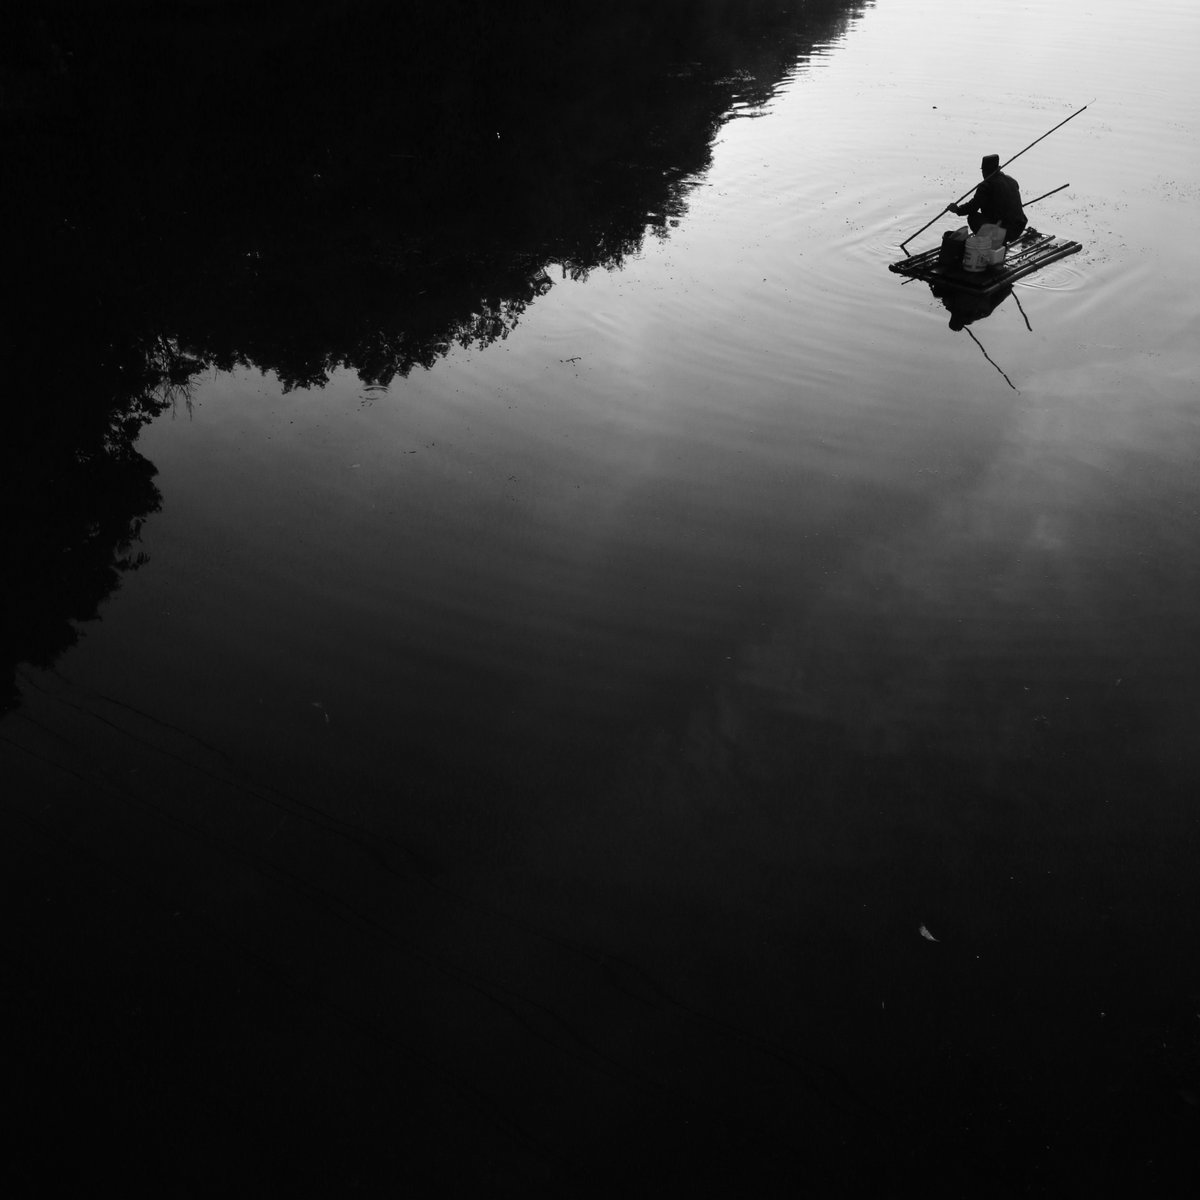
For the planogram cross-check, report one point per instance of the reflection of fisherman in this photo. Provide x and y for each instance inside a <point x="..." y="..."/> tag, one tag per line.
<point x="966" y="307"/>
<point x="997" y="201"/>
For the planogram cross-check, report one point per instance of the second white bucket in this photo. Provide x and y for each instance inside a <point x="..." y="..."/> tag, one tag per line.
<point x="978" y="253"/>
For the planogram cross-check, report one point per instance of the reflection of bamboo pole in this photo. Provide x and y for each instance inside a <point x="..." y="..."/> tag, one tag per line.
<point x="1000" y="168"/>
<point x="989" y="358"/>
<point x="1018" y="300"/>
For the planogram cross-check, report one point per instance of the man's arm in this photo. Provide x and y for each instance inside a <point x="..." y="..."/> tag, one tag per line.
<point x="971" y="205"/>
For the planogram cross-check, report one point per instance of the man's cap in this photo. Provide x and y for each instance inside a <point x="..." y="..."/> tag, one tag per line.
<point x="991" y="162"/>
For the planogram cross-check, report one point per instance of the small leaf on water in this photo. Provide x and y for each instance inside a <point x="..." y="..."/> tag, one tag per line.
<point x="926" y="934"/>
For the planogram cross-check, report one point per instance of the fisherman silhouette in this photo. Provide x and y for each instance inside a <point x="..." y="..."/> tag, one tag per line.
<point x="997" y="201"/>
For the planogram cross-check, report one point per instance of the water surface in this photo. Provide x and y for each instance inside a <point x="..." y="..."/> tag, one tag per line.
<point x="587" y="713"/>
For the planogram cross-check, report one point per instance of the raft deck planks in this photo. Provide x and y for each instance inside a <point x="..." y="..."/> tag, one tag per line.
<point x="1024" y="257"/>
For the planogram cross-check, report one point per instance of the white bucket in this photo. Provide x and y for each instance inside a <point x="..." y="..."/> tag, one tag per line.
<point x="978" y="253"/>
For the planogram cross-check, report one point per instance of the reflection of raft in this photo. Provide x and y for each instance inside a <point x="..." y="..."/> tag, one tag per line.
<point x="1031" y="253"/>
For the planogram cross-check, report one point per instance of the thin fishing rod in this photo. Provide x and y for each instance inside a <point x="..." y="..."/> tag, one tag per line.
<point x="1045" y="194"/>
<point x="1029" y="147"/>
<point x="1001" y="167"/>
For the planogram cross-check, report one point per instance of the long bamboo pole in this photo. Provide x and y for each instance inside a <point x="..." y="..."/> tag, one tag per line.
<point x="1001" y="167"/>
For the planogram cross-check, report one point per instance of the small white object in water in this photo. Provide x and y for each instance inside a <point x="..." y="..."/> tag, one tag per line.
<point x="926" y="934"/>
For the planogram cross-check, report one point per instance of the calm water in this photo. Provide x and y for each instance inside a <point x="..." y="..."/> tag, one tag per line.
<point x="572" y="742"/>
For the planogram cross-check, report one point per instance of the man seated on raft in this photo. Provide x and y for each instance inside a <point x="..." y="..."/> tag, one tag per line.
<point x="997" y="201"/>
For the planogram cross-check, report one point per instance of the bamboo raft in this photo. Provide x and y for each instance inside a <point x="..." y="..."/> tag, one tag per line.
<point x="1030" y="253"/>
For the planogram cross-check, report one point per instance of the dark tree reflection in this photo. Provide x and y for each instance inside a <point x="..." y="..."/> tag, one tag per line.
<point x="74" y="491"/>
<point x="307" y="187"/>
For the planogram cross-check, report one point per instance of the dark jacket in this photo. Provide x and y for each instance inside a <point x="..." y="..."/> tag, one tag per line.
<point x="997" y="200"/>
